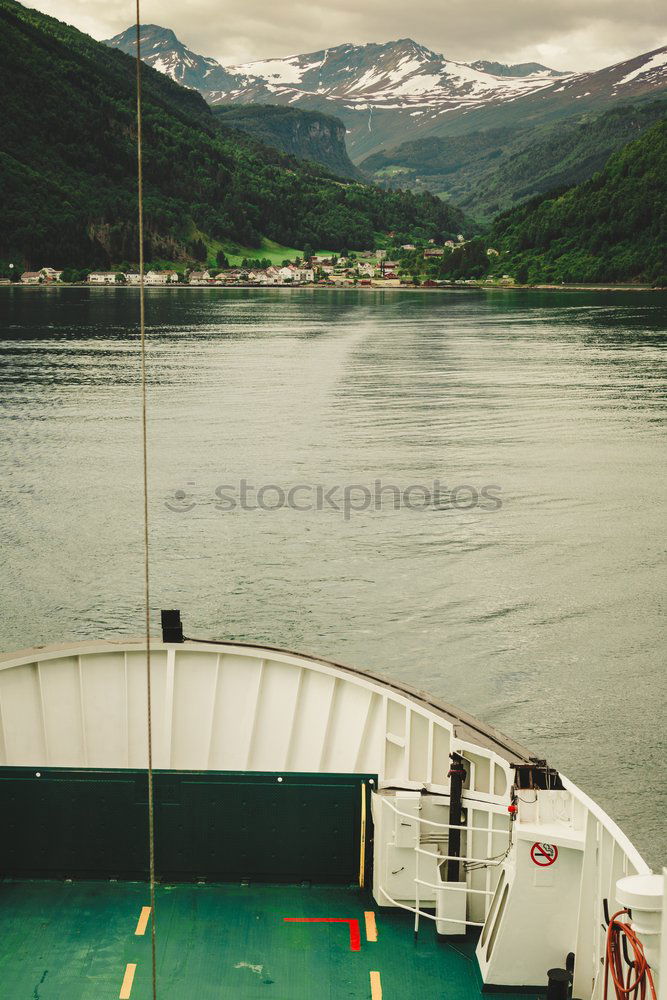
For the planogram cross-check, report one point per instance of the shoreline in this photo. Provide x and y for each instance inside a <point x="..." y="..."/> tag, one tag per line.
<point x="348" y="288"/>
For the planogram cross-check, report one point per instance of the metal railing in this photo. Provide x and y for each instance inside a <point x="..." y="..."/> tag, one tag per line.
<point x="439" y="858"/>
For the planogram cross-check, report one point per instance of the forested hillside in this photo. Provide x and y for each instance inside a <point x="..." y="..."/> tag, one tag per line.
<point x="491" y="171"/>
<point x="611" y="228"/>
<point x="68" y="166"/>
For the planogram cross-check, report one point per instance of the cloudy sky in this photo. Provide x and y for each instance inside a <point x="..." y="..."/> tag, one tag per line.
<point x="564" y="34"/>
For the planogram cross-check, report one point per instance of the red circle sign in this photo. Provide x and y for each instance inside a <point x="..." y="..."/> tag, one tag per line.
<point x="543" y="855"/>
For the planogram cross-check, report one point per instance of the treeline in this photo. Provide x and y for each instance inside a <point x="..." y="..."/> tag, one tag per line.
<point x="68" y="166"/>
<point x="612" y="228"/>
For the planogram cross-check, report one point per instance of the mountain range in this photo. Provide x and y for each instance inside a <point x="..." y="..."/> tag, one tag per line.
<point x="68" y="168"/>
<point x="387" y="93"/>
<point x="216" y="180"/>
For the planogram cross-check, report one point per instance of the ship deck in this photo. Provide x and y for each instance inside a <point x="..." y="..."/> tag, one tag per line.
<point x="89" y="939"/>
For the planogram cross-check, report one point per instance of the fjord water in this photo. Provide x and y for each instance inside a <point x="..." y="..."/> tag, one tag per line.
<point x="542" y="617"/>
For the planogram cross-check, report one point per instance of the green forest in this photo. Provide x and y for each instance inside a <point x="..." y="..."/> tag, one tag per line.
<point x="612" y="228"/>
<point x="489" y="172"/>
<point x="68" y="166"/>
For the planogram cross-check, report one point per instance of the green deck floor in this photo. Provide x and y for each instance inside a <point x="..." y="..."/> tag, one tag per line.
<point x="73" y="941"/>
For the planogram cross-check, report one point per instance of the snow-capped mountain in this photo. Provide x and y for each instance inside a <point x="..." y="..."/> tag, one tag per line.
<point x="388" y="92"/>
<point x="398" y="74"/>
<point x="161" y="49"/>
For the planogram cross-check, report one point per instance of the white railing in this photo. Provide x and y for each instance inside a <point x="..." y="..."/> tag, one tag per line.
<point x="464" y="859"/>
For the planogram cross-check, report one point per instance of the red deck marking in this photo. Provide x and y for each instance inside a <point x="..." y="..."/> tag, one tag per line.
<point x="355" y="933"/>
<point x="543" y="855"/>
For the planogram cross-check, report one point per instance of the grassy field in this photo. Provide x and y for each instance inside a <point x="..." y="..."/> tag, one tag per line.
<point x="270" y="250"/>
<point x="236" y="254"/>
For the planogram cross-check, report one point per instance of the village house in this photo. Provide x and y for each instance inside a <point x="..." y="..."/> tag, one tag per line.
<point x="133" y="278"/>
<point x="367" y="270"/>
<point x="340" y="279"/>
<point x="31" y="278"/>
<point x="433" y="252"/>
<point x="199" y="278"/>
<point x="229" y="277"/>
<point x="104" y="278"/>
<point x="161" y="278"/>
<point x="50" y="274"/>
<point x="391" y="265"/>
<point x="387" y="282"/>
<point x="408" y="246"/>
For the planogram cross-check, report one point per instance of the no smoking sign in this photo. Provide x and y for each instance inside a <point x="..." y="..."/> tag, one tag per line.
<point x="543" y="855"/>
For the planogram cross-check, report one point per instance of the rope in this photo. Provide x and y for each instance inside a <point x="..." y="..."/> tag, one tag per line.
<point x="626" y="989"/>
<point x="144" y="442"/>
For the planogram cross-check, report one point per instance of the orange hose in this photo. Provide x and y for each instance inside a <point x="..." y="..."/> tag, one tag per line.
<point x="614" y="963"/>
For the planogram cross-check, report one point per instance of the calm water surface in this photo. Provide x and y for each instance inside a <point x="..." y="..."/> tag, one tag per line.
<point x="543" y="617"/>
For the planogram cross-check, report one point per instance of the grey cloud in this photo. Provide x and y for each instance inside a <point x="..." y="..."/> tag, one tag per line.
<point x="568" y="34"/>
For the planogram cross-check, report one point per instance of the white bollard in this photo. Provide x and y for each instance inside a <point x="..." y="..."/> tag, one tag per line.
<point x="643" y="894"/>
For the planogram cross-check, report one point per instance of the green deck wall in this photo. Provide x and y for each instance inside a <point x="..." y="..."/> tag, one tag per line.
<point x="214" y="825"/>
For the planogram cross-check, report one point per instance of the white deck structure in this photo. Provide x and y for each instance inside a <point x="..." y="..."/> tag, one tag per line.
<point x="234" y="707"/>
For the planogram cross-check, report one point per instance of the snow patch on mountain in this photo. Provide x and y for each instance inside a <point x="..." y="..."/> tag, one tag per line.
<point x="282" y="71"/>
<point x="657" y="61"/>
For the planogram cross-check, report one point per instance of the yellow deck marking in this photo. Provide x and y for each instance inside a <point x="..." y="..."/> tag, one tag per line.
<point x="144" y="917"/>
<point x="128" y="979"/>
<point x="371" y="926"/>
<point x="376" y="986"/>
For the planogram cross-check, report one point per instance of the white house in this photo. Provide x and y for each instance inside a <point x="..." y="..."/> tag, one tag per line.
<point x="50" y="274"/>
<point x="161" y="278"/>
<point x="303" y="275"/>
<point x="31" y="278"/>
<point x="199" y="278"/>
<point x="133" y="278"/>
<point x="103" y="277"/>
